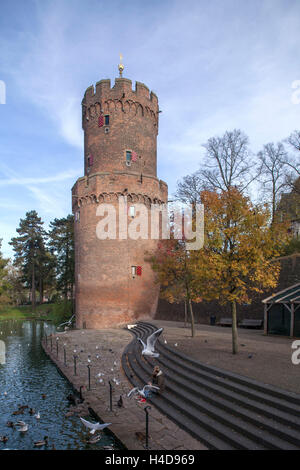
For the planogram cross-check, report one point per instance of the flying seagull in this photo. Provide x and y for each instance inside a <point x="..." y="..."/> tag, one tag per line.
<point x="142" y="391"/>
<point x="148" y="349"/>
<point x="94" y="426"/>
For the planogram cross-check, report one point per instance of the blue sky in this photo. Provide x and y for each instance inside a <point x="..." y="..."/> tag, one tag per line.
<point x="214" y="65"/>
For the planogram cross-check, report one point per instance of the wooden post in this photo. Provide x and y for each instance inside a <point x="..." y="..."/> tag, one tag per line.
<point x="292" y="320"/>
<point x="265" y="319"/>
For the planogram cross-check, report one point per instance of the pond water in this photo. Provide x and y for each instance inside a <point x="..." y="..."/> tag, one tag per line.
<point x="26" y="373"/>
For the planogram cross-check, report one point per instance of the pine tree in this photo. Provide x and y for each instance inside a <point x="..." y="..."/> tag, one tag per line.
<point x="4" y="283"/>
<point x="29" y="248"/>
<point x="61" y="245"/>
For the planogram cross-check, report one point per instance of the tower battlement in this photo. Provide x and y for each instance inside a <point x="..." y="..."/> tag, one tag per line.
<point x="104" y="90"/>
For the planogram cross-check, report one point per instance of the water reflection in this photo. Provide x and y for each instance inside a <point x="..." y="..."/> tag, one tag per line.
<point x="25" y="376"/>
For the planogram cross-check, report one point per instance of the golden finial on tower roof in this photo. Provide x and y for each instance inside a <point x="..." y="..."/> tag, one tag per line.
<point x="121" y="66"/>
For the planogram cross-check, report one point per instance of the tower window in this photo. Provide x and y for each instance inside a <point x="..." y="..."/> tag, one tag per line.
<point x="128" y="157"/>
<point x="106" y="120"/>
<point x="133" y="271"/>
<point x="131" y="211"/>
<point x="90" y="160"/>
<point x="136" y="271"/>
<point x="77" y="216"/>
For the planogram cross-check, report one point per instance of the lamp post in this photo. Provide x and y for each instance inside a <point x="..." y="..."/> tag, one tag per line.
<point x="89" y="376"/>
<point x="110" y="395"/>
<point x="147" y="426"/>
<point x="75" y="358"/>
<point x="57" y="346"/>
<point x="65" y="358"/>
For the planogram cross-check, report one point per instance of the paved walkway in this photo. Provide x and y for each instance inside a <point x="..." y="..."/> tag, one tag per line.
<point x="264" y="358"/>
<point x="128" y="422"/>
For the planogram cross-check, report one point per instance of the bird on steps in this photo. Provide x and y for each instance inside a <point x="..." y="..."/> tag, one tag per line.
<point x="120" y="402"/>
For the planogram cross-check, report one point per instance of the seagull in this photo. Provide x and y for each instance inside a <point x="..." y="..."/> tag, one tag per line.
<point x="149" y="347"/>
<point x="141" y="392"/>
<point x="94" y="426"/>
<point x="37" y="416"/>
<point x="23" y="427"/>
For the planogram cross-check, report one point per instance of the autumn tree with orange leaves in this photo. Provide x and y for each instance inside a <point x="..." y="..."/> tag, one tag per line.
<point x="239" y="248"/>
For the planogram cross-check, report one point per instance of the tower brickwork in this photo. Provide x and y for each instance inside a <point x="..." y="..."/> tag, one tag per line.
<point x="120" y="161"/>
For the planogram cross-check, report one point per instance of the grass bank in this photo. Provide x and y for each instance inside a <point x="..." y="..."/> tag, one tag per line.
<point x="56" y="312"/>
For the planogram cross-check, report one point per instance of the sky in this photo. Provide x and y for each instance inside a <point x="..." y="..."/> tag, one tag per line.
<point x="215" y="66"/>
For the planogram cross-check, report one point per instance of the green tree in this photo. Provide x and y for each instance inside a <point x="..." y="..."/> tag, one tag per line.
<point x="172" y="264"/>
<point x="29" y="248"/>
<point x="61" y="245"/>
<point x="4" y="283"/>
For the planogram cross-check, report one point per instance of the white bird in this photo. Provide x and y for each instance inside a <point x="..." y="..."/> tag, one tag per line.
<point x="22" y="427"/>
<point x="176" y="344"/>
<point x="37" y="416"/>
<point x="148" y="349"/>
<point x="141" y="392"/>
<point x="94" y="426"/>
<point x="131" y="326"/>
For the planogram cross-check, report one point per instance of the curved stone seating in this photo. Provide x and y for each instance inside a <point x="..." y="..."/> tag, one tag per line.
<point x="221" y="409"/>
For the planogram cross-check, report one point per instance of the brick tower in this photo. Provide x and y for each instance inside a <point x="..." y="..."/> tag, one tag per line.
<point x="114" y="283"/>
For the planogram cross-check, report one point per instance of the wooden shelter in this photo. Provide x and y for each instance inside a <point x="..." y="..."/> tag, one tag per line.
<point x="282" y="312"/>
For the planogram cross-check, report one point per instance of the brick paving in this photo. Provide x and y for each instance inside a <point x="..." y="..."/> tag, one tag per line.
<point x="264" y="358"/>
<point x="126" y="421"/>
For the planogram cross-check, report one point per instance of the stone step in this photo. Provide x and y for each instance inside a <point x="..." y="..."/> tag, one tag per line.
<point x="233" y="410"/>
<point x="200" y="417"/>
<point x="285" y="401"/>
<point x="197" y="382"/>
<point x="242" y="420"/>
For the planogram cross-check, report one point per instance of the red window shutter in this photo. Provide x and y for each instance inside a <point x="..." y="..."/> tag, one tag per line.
<point x="139" y="270"/>
<point x="134" y="156"/>
<point x="101" y="120"/>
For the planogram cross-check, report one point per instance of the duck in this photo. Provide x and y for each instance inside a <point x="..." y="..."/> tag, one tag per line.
<point x="44" y="396"/>
<point x="23" y="407"/>
<point x="31" y="411"/>
<point x="72" y="399"/>
<point x="10" y="424"/>
<point x="42" y="442"/>
<point x="18" y="412"/>
<point x="95" y="439"/>
<point x="3" y="439"/>
<point x="37" y="416"/>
